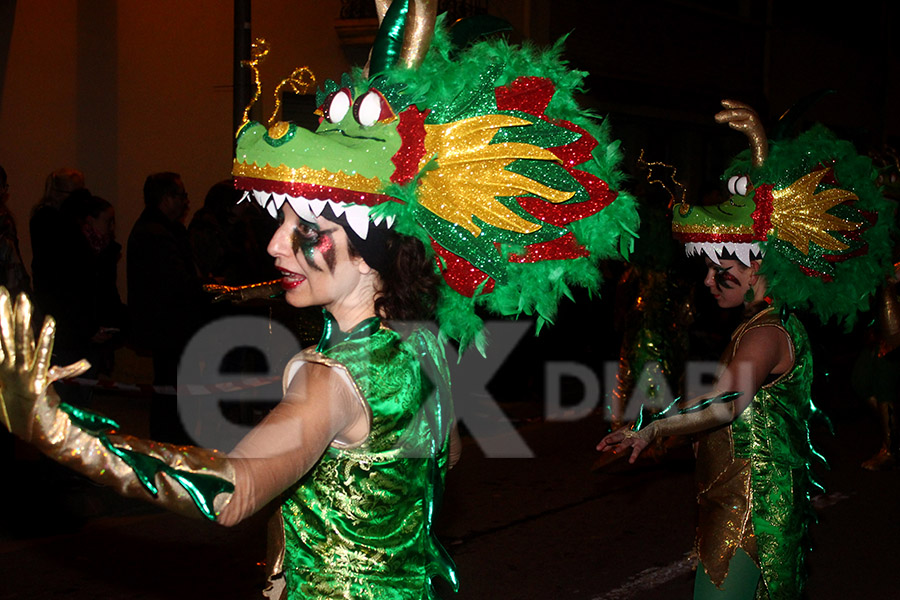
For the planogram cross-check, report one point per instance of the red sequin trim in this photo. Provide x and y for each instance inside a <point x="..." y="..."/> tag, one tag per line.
<point x="813" y="273"/>
<point x="412" y="135"/>
<point x="561" y="248"/>
<point x="533" y="95"/>
<point x="563" y="214"/>
<point x="460" y="274"/>
<point x="762" y="215"/>
<point x="577" y="152"/>
<point x="528" y="94"/>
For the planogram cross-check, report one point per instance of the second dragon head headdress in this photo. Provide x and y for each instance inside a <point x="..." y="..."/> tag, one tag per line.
<point x="481" y="152"/>
<point x="810" y="206"/>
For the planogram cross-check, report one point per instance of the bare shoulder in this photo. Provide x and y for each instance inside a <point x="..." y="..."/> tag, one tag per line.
<point x="770" y="342"/>
<point x="315" y="380"/>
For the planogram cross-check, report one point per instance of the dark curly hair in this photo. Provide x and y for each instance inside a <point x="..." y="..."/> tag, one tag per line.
<point x="409" y="282"/>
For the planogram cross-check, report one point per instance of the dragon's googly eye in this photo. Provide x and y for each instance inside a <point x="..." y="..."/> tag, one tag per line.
<point x="738" y="185"/>
<point x="371" y="108"/>
<point x="731" y="181"/>
<point x="337" y="105"/>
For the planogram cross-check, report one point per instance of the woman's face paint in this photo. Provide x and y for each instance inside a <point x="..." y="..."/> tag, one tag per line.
<point x="728" y="281"/>
<point x="314" y="259"/>
<point x="308" y="239"/>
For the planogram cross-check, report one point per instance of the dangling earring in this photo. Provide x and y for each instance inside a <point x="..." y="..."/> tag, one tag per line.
<point x="749" y="295"/>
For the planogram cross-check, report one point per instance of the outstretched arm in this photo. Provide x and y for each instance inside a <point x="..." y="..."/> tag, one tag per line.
<point x="318" y="407"/>
<point x="763" y="351"/>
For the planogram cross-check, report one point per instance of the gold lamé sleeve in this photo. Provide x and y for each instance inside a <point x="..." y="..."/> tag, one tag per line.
<point x="183" y="479"/>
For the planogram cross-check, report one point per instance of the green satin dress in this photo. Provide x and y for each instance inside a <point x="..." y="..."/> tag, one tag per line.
<point x="754" y="475"/>
<point x="359" y="524"/>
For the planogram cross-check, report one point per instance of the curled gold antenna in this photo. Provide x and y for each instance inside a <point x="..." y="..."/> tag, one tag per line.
<point x="258" y="51"/>
<point x="666" y="179"/>
<point x="300" y="82"/>
<point x="743" y="118"/>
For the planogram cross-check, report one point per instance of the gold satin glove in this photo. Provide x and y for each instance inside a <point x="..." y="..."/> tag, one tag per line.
<point x="25" y="376"/>
<point x="706" y="413"/>
<point x="183" y="479"/>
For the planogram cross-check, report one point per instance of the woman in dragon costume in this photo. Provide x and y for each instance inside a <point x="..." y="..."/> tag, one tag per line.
<point x="804" y="228"/>
<point x="470" y="167"/>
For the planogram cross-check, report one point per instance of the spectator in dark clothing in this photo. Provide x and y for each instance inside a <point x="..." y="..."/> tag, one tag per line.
<point x="12" y="270"/>
<point x="226" y="249"/>
<point x="52" y="237"/>
<point x="164" y="292"/>
<point x="94" y="312"/>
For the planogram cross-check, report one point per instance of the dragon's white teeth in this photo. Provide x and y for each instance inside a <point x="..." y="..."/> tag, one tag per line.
<point x="390" y="221"/>
<point x="377" y="220"/>
<point x="713" y="251"/>
<point x="358" y="219"/>
<point x="246" y="196"/>
<point x="317" y="206"/>
<point x="261" y="197"/>
<point x="279" y="200"/>
<point x="301" y="207"/>
<point x="742" y="252"/>
<point x="272" y="210"/>
<point x="337" y="207"/>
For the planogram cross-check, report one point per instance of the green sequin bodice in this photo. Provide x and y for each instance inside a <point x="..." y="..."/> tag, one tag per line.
<point x="359" y="525"/>
<point x="773" y="435"/>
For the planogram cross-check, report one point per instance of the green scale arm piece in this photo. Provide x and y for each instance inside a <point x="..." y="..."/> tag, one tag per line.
<point x="184" y="479"/>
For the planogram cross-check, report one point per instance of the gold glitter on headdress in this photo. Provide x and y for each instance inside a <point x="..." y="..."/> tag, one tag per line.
<point x="258" y="51"/>
<point x="473" y="174"/>
<point x="800" y="215"/>
<point x="300" y="82"/>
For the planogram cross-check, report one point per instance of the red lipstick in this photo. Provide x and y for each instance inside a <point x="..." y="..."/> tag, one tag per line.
<point x="290" y="280"/>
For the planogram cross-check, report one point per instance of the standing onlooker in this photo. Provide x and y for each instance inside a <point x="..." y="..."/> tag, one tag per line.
<point x="164" y="292"/>
<point x="225" y="244"/>
<point x="94" y="312"/>
<point x="12" y="270"/>
<point x="52" y="236"/>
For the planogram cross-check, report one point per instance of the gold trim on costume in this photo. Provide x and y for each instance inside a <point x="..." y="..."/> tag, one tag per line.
<point x="324" y="177"/>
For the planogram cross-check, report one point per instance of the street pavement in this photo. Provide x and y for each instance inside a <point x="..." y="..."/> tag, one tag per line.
<point x="546" y="527"/>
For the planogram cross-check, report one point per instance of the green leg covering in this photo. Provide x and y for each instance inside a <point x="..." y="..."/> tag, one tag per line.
<point x="740" y="584"/>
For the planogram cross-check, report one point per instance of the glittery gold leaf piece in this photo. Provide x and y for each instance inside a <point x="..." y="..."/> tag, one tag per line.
<point x="800" y="215"/>
<point x="472" y="172"/>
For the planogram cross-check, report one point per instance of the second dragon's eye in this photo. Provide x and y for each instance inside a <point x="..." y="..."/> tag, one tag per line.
<point x="371" y="108"/>
<point x="336" y="106"/>
<point x="738" y="185"/>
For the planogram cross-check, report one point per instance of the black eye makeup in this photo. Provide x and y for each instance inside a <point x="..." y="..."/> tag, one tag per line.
<point x="304" y="238"/>
<point x="724" y="280"/>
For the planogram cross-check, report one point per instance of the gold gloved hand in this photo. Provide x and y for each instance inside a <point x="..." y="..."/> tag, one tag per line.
<point x="25" y="373"/>
<point x="184" y="479"/>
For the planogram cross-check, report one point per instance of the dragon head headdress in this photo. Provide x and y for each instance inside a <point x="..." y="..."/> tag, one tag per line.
<point x="811" y="206"/>
<point x="481" y="152"/>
